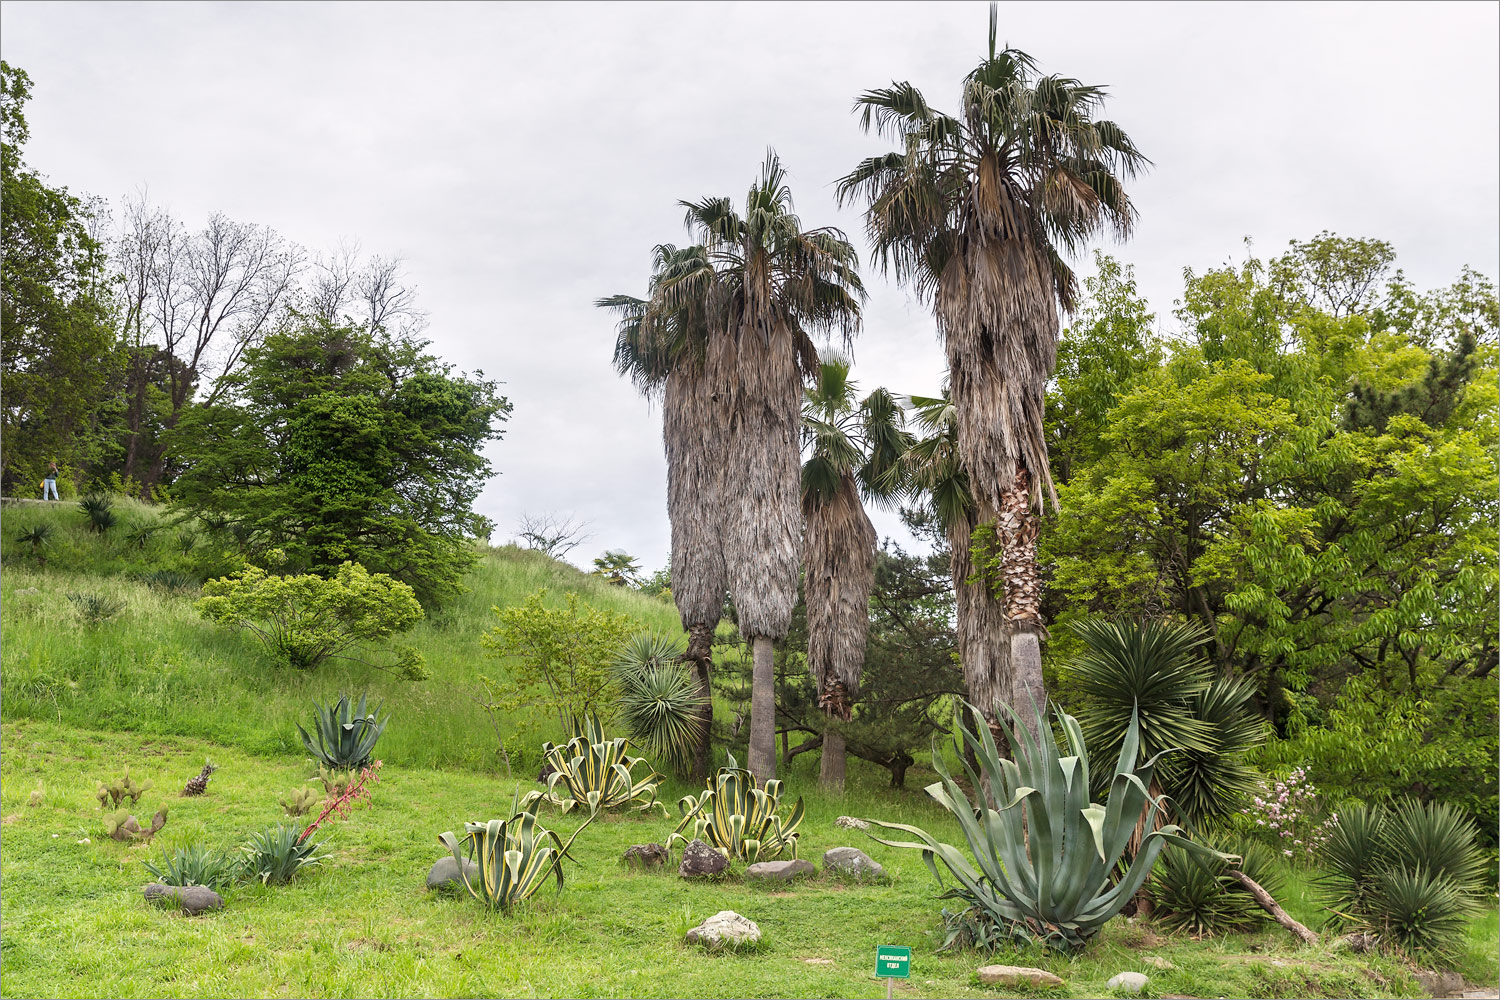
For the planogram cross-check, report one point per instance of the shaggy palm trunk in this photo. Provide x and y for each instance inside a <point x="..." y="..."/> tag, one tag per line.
<point x="983" y="642"/>
<point x="998" y="314"/>
<point x="692" y="426"/>
<point x="840" y="575"/>
<point x="756" y="378"/>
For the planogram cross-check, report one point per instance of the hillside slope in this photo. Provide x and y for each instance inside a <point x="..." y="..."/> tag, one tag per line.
<point x="159" y="668"/>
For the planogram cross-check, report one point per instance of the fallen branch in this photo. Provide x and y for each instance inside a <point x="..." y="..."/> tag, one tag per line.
<point x="1268" y="904"/>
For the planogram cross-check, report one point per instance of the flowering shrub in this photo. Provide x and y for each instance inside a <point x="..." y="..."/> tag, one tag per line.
<point x="1288" y="815"/>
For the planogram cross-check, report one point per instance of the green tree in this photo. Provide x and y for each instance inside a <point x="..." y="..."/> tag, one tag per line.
<point x="618" y="568"/>
<point x="974" y="212"/>
<point x="560" y="656"/>
<point x="1311" y="476"/>
<point x="338" y="445"/>
<point x="58" y="353"/>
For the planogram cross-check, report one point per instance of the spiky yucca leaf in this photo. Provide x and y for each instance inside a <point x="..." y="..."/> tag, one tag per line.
<point x="738" y="819"/>
<point x="1043" y="859"/>
<point x="594" y="772"/>
<point x="512" y="855"/>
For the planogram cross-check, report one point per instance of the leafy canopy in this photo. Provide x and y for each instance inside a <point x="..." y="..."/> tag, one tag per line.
<point x="340" y="444"/>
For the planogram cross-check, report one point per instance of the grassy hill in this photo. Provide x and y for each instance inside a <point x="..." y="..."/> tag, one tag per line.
<point x="159" y="668"/>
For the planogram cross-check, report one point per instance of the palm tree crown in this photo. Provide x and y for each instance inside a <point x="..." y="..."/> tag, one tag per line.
<point x="974" y="212"/>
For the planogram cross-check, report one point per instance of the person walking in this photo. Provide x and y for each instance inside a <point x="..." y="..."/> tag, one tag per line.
<point x="49" y="482"/>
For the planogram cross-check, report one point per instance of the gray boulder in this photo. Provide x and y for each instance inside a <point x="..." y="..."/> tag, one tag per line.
<point x="190" y="899"/>
<point x="780" y="871"/>
<point x="645" y="855"/>
<point x="444" y="876"/>
<point x="1130" y="982"/>
<point x="724" y="929"/>
<point x="1016" y="975"/>
<point x="852" y="861"/>
<point x="701" y="861"/>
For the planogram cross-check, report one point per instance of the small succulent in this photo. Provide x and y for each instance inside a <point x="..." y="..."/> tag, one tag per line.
<point x="299" y="800"/>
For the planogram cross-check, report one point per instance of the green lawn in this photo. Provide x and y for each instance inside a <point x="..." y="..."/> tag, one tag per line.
<point x="75" y="923"/>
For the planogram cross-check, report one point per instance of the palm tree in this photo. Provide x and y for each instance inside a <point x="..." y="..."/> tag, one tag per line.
<point x="661" y="347"/>
<point x="855" y="447"/>
<point x="974" y="212"/>
<point x="773" y="282"/>
<point x="931" y="469"/>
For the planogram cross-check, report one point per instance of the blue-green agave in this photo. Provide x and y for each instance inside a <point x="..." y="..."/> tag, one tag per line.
<point x="1043" y="859"/>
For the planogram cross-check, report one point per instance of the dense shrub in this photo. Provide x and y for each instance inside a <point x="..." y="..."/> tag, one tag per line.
<point x="304" y="620"/>
<point x="1194" y="893"/>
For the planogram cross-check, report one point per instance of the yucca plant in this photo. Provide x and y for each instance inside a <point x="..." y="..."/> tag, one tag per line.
<point x="100" y="512"/>
<point x="513" y="856"/>
<point x="1043" y="860"/>
<point x="277" y="853"/>
<point x="594" y="772"/>
<point x="195" y="865"/>
<point x="171" y="581"/>
<point x="1195" y="893"/>
<point x="1153" y="672"/>
<point x="346" y="734"/>
<point x="739" y="820"/>
<point x="1419" y="910"/>
<point x="1411" y="874"/>
<point x="660" y="702"/>
<point x="95" y="609"/>
<point x="140" y="537"/>
<point x="38" y="536"/>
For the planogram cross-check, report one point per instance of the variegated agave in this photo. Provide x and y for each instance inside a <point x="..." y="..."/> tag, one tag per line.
<point x="1045" y="856"/>
<point x="513" y="855"/>
<point x="593" y="772"/>
<point x="738" y="819"/>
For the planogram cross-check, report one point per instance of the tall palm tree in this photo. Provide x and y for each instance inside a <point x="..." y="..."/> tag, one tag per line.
<point x="661" y="346"/>
<point x="773" y="283"/>
<point x="855" y="448"/>
<point x="931" y="469"/>
<point x="975" y="212"/>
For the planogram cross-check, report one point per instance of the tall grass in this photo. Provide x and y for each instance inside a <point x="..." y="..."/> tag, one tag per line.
<point x="159" y="668"/>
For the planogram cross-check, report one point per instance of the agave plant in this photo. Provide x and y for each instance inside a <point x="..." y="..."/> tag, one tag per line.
<point x="195" y="865"/>
<point x="594" y="772"/>
<point x="277" y="853"/>
<point x="513" y="855"/>
<point x="1043" y="860"/>
<point x="738" y="819"/>
<point x="346" y="734"/>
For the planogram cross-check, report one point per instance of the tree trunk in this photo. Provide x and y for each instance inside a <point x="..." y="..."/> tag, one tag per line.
<point x="701" y="752"/>
<point x="831" y="771"/>
<point x="983" y="642"/>
<point x="1016" y="527"/>
<point x="762" y="759"/>
<point x="1268" y="904"/>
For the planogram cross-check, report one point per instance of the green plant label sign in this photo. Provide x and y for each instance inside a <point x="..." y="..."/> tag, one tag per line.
<point x="892" y="962"/>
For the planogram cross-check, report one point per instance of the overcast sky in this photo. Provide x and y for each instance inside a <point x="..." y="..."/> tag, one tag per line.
<point x="524" y="159"/>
